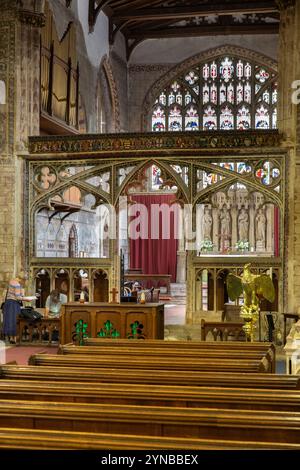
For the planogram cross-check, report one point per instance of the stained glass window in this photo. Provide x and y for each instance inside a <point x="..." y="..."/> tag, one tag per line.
<point x="225" y="93"/>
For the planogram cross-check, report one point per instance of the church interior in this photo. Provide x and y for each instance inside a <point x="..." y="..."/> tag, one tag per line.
<point x="149" y="154"/>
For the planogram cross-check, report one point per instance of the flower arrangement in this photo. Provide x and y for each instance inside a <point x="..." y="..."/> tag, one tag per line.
<point x="206" y="245"/>
<point x="242" y="245"/>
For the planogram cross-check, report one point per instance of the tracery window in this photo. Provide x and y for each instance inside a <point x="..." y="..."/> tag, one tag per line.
<point x="225" y="93"/>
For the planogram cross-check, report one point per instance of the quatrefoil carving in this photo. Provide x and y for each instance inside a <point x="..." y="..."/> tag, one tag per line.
<point x="46" y="177"/>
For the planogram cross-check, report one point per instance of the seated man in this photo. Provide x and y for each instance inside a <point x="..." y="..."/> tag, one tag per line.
<point x="54" y="302"/>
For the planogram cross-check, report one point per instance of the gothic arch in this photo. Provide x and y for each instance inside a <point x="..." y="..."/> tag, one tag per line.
<point x="210" y="54"/>
<point x="110" y="95"/>
<point x="136" y="176"/>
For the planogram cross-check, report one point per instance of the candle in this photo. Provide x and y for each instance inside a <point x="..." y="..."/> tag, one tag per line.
<point x="81" y="300"/>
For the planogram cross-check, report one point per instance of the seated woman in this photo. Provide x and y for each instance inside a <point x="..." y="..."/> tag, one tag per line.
<point x="54" y="302"/>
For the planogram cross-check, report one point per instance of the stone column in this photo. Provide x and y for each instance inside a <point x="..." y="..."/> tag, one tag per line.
<point x="234" y="230"/>
<point x="251" y="228"/>
<point x="181" y="267"/>
<point x="289" y="126"/>
<point x="181" y="254"/>
<point x="191" y="288"/>
<point x="215" y="228"/>
<point x="270" y="229"/>
<point x="19" y="117"/>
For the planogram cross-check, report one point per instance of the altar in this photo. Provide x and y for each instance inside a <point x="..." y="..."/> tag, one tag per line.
<point x="111" y="320"/>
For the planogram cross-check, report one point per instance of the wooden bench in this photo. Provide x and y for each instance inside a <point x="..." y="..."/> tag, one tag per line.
<point x="39" y="439"/>
<point x="171" y="353"/>
<point x="45" y="331"/>
<point x="151" y="395"/>
<point x="222" y="330"/>
<point x="156" y="421"/>
<point x="157" y="343"/>
<point x="140" y="376"/>
<point x="151" y="363"/>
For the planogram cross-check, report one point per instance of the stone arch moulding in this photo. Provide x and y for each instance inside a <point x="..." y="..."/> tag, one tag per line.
<point x="106" y="68"/>
<point x="209" y="54"/>
<point x="135" y="176"/>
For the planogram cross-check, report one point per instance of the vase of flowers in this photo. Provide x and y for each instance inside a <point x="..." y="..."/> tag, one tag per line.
<point x="206" y="246"/>
<point x="242" y="245"/>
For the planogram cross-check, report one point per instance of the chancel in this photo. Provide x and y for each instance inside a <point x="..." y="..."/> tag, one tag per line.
<point x="149" y="156"/>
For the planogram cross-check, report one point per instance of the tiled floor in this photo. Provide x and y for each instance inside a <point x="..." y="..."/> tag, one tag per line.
<point x="21" y="354"/>
<point x="174" y="314"/>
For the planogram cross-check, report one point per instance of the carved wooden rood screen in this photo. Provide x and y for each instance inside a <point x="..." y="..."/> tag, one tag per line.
<point x="233" y="181"/>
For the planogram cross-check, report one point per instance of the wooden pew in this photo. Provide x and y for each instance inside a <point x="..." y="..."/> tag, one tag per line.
<point x="140" y="376"/>
<point x="39" y="439"/>
<point x="222" y="330"/>
<point x="151" y="395"/>
<point x="268" y="348"/>
<point x="153" y="343"/>
<point x="151" y="363"/>
<point x="159" y="421"/>
<point x="170" y="353"/>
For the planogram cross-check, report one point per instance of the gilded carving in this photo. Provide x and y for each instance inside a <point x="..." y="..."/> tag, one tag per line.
<point x="32" y="19"/>
<point x="177" y="142"/>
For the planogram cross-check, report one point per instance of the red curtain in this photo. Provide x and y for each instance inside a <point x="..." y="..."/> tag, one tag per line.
<point x="153" y="255"/>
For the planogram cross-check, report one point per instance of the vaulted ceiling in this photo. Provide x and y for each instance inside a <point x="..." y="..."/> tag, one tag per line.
<point x="143" y="19"/>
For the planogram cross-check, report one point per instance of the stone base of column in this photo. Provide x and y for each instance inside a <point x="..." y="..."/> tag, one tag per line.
<point x="181" y="267"/>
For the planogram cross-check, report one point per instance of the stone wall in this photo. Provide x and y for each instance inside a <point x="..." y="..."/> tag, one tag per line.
<point x="141" y="78"/>
<point x="289" y="70"/>
<point x="17" y="39"/>
<point x="119" y="69"/>
<point x="174" y="50"/>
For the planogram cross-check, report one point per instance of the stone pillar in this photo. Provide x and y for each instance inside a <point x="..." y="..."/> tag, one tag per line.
<point x="270" y="229"/>
<point x="289" y="126"/>
<point x="216" y="239"/>
<point x="234" y="230"/>
<point x="251" y="228"/>
<point x="181" y="267"/>
<point x="19" y="117"/>
<point x="181" y="255"/>
<point x="190" y="288"/>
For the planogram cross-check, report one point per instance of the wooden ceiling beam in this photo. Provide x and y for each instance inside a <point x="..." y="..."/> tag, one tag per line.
<point x="269" y="28"/>
<point x="94" y="12"/>
<point x="150" y="14"/>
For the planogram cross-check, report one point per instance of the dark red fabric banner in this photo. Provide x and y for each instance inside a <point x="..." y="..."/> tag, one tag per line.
<point x="156" y="252"/>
